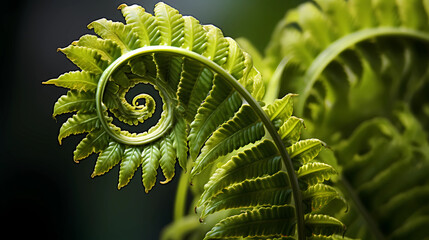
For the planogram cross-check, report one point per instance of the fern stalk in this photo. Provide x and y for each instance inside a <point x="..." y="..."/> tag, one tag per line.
<point x="180" y="200"/>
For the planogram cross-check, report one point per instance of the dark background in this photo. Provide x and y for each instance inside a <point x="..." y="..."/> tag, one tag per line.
<point x="44" y="193"/>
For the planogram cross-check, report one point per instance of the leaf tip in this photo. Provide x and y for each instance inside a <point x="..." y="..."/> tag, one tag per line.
<point x="123" y="5"/>
<point x="167" y="180"/>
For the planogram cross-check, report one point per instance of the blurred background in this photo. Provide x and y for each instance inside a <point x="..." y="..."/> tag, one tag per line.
<point x="45" y="194"/>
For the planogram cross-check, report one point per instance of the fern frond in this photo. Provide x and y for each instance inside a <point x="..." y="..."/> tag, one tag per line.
<point x="211" y="118"/>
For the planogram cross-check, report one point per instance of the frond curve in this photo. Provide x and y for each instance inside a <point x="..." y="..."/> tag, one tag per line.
<point x="211" y="111"/>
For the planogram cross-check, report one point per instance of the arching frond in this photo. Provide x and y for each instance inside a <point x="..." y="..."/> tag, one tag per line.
<point x="211" y="117"/>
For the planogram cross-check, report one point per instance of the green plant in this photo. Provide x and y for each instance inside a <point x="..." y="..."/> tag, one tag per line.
<point x="239" y="145"/>
<point x="361" y="70"/>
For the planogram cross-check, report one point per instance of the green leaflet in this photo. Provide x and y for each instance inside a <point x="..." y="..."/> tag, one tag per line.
<point x="142" y="24"/>
<point x="319" y="195"/>
<point x="151" y="155"/>
<point x="241" y="130"/>
<point x="168" y="158"/>
<point x="280" y="108"/>
<point x="290" y="131"/>
<point x="108" y="49"/>
<point x="178" y="134"/>
<point x="108" y="158"/>
<point x="117" y="32"/>
<point x="315" y="172"/>
<point x="78" y="80"/>
<point x="262" y="222"/>
<point x="95" y="141"/>
<point x="85" y="58"/>
<point x="195" y="38"/>
<point x="131" y="161"/>
<point x="79" y="123"/>
<point x="235" y="61"/>
<point x="323" y="224"/>
<point x="263" y="191"/>
<point x="75" y="101"/>
<point x="170" y="25"/>
<point x="305" y="150"/>
<point x="217" y="46"/>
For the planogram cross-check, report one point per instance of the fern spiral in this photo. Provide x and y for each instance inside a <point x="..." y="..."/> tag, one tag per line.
<point x="211" y="111"/>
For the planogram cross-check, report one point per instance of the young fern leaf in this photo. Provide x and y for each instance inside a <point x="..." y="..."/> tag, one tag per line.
<point x="210" y="94"/>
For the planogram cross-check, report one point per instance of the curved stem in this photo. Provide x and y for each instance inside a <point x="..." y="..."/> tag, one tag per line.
<point x="330" y="53"/>
<point x="181" y="193"/>
<point x="155" y="132"/>
<point x="244" y="94"/>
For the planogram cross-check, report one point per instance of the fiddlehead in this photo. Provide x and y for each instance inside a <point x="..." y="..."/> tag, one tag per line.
<point x="208" y="87"/>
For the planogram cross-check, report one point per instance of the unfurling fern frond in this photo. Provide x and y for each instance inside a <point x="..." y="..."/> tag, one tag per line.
<point x="253" y="179"/>
<point x="360" y="68"/>
<point x="211" y="115"/>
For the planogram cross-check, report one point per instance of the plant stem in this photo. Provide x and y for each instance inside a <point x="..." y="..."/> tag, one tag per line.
<point x="180" y="201"/>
